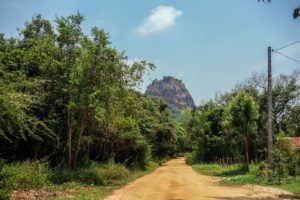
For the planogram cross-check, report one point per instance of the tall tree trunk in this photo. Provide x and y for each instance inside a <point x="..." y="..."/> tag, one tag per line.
<point x="69" y="142"/>
<point x="83" y="125"/>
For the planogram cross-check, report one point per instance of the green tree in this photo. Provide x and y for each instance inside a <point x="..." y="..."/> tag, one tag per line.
<point x="209" y="134"/>
<point x="71" y="84"/>
<point x="241" y="114"/>
<point x="16" y="102"/>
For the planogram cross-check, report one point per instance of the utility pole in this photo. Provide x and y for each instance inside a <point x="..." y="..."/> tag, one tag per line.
<point x="269" y="123"/>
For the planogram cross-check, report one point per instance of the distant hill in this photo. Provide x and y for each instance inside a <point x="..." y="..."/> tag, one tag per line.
<point x="173" y="91"/>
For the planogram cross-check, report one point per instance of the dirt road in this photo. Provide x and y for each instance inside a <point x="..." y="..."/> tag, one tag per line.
<point x="177" y="181"/>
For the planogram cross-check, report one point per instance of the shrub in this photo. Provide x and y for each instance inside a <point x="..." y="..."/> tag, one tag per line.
<point x="62" y="175"/>
<point x="190" y="158"/>
<point x="4" y="195"/>
<point x="279" y="167"/>
<point x="25" y="175"/>
<point x="196" y="156"/>
<point x="102" y="174"/>
<point x="91" y="176"/>
<point x="112" y="171"/>
<point x="285" y="160"/>
<point x="143" y="155"/>
<point x="96" y="174"/>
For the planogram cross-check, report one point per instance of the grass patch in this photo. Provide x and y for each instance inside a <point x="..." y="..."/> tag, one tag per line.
<point x="235" y="175"/>
<point x="219" y="170"/>
<point x="25" y="175"/>
<point x="94" y="182"/>
<point x="289" y="184"/>
<point x="292" y="186"/>
<point x="84" y="191"/>
<point x="96" y="174"/>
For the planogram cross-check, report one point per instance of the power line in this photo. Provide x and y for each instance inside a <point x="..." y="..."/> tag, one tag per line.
<point x="297" y="61"/>
<point x="288" y="45"/>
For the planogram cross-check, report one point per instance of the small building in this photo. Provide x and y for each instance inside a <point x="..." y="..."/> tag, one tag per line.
<point x="296" y="142"/>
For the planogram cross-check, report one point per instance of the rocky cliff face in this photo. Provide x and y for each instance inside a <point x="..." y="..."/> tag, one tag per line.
<point x="171" y="90"/>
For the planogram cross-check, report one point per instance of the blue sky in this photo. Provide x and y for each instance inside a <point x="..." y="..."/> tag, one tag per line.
<point x="210" y="45"/>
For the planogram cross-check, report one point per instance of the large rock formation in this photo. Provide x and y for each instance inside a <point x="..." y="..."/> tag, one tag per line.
<point x="173" y="91"/>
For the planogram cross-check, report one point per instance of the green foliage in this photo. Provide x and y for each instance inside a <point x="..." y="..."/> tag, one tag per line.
<point x="112" y="171"/>
<point x="285" y="160"/>
<point x="222" y="170"/>
<point x="206" y="139"/>
<point x="56" y="79"/>
<point x="96" y="174"/>
<point x="110" y="175"/>
<point x="62" y="175"/>
<point x="182" y="139"/>
<point x="25" y="175"/>
<point x="91" y="176"/>
<point x="190" y="158"/>
<point x="241" y="114"/>
<point x="279" y="161"/>
<point x="69" y="98"/>
<point x="242" y="179"/>
<point x="234" y="175"/>
<point x="218" y="129"/>
<point x="296" y="13"/>
<point x="16" y="121"/>
<point x="82" y="191"/>
<point x="4" y="193"/>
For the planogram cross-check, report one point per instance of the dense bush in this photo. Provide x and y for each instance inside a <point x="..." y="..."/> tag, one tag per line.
<point x="191" y="158"/>
<point x="285" y="159"/>
<point x="96" y="174"/>
<point x="4" y="194"/>
<point x="112" y="171"/>
<point x="25" y="175"/>
<point x="234" y="123"/>
<point x="62" y="175"/>
<point x="70" y="95"/>
<point x="91" y="176"/>
<point x="279" y="166"/>
<point x="34" y="174"/>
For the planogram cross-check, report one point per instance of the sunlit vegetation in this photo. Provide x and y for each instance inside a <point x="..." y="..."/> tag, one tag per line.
<point x="71" y="119"/>
<point x="231" y="131"/>
<point x="69" y="109"/>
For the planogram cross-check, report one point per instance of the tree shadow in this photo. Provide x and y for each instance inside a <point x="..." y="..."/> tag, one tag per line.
<point x="233" y="172"/>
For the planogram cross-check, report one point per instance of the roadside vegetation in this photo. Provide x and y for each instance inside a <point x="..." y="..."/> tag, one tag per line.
<point x="230" y="132"/>
<point x="92" y="182"/>
<point x="235" y="175"/>
<point x="70" y="114"/>
<point x="71" y="120"/>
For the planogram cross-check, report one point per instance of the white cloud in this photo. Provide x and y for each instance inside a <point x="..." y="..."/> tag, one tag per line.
<point x="160" y="19"/>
